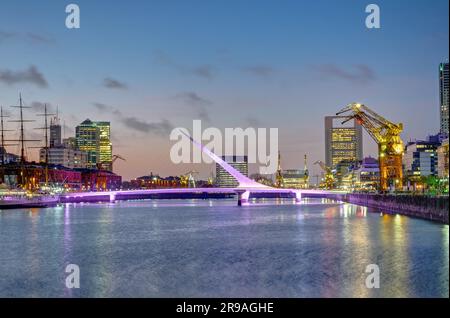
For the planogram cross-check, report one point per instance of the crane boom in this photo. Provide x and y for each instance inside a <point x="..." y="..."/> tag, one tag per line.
<point x="329" y="178"/>
<point x="387" y="135"/>
<point x="322" y="165"/>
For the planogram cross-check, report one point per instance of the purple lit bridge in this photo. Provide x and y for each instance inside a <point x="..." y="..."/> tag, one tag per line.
<point x="245" y="187"/>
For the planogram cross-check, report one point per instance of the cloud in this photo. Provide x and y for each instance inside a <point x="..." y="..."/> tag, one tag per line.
<point x="106" y="108"/>
<point x="359" y="74"/>
<point x="29" y="37"/>
<point x="113" y="83"/>
<point x="38" y="38"/>
<point x="263" y="71"/>
<point x="205" y="71"/>
<point x="199" y="104"/>
<point x="39" y="107"/>
<point x="161" y="128"/>
<point x="101" y="107"/>
<point x="253" y="122"/>
<point x="6" y="35"/>
<point x="192" y="98"/>
<point x="30" y="75"/>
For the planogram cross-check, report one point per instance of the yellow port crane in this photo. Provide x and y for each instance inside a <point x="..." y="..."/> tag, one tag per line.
<point x="387" y="135"/>
<point x="109" y="164"/>
<point x="329" y="177"/>
<point x="188" y="180"/>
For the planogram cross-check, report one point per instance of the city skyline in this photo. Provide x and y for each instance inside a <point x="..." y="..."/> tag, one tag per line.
<point x="259" y="75"/>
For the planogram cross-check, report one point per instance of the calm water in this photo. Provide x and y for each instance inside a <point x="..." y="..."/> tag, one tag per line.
<point x="171" y="248"/>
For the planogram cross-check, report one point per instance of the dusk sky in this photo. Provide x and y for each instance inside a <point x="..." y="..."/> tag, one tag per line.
<point x="149" y="66"/>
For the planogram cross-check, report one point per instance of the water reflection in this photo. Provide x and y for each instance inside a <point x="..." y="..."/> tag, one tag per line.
<point x="212" y="248"/>
<point x="67" y="243"/>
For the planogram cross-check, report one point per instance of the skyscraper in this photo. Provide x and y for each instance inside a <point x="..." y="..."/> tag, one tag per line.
<point x="343" y="143"/>
<point x="55" y="133"/>
<point x="105" y="146"/>
<point x="421" y="160"/>
<point x="88" y="137"/>
<point x="223" y="178"/>
<point x="95" y="139"/>
<point x="444" y="96"/>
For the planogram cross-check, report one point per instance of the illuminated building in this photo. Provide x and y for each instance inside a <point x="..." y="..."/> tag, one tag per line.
<point x="444" y="96"/>
<point x="265" y="179"/>
<point x="55" y="133"/>
<point x="8" y="157"/>
<point x="67" y="157"/>
<point x="420" y="160"/>
<point x="294" y="179"/>
<point x="105" y="146"/>
<point x="443" y="159"/>
<point x="343" y="143"/>
<point x="368" y="174"/>
<point x="155" y="182"/>
<point x="365" y="176"/>
<point x="87" y="135"/>
<point x="99" y="180"/>
<point x="95" y="139"/>
<point x="70" y="142"/>
<point x="33" y="176"/>
<point x="342" y="169"/>
<point x="62" y="152"/>
<point x="223" y="178"/>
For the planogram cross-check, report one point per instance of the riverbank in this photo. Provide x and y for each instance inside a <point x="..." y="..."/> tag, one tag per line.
<point x="424" y="207"/>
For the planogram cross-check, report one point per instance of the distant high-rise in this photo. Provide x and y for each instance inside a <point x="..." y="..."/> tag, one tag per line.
<point x="105" y="146"/>
<point x="343" y="143"/>
<point x="421" y="158"/>
<point x="443" y="163"/>
<point x="55" y="133"/>
<point x="444" y="96"/>
<point x="88" y="136"/>
<point x="70" y="142"/>
<point x="223" y="178"/>
<point x="95" y="139"/>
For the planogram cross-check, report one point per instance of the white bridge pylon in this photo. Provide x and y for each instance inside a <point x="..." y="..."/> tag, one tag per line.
<point x="243" y="181"/>
<point x="245" y="184"/>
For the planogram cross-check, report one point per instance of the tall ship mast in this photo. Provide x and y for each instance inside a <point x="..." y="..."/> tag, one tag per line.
<point x="22" y="140"/>
<point x="46" y="145"/>
<point x="3" y="130"/>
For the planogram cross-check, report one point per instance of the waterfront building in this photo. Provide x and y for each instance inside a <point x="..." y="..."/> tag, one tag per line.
<point x="67" y="157"/>
<point x="105" y="146"/>
<point x="155" y="182"/>
<point x="265" y="179"/>
<point x="295" y="179"/>
<point x="99" y="180"/>
<point x="366" y="176"/>
<point x="70" y="142"/>
<point x="443" y="159"/>
<point x="95" y="139"/>
<point x="420" y="160"/>
<point x="33" y="176"/>
<point x="342" y="172"/>
<point x="87" y="136"/>
<point x="55" y="133"/>
<point x="8" y="157"/>
<point x="343" y="143"/>
<point x="444" y="96"/>
<point x="223" y="178"/>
